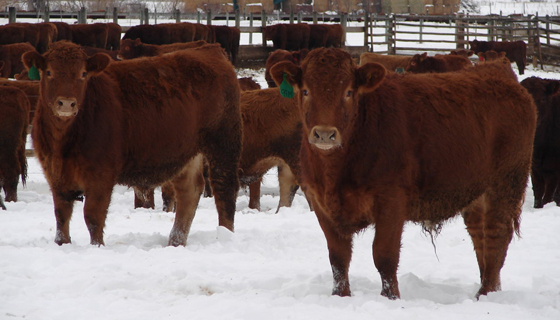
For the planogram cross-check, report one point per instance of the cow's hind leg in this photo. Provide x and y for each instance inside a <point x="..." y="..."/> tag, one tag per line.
<point x="538" y="182"/>
<point x="288" y="186"/>
<point x="188" y="186"/>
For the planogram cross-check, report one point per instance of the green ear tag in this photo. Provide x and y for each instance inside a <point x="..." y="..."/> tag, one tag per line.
<point x="286" y="89"/>
<point x="33" y="73"/>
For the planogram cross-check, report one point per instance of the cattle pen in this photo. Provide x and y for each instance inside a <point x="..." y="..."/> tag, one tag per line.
<point x="396" y="34"/>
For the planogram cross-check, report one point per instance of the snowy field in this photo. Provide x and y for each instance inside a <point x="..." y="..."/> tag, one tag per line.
<point x="275" y="266"/>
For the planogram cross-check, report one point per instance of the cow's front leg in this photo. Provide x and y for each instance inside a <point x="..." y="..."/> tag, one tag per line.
<point x="95" y="212"/>
<point x="389" y="226"/>
<point x="340" y="254"/>
<point x="63" y="206"/>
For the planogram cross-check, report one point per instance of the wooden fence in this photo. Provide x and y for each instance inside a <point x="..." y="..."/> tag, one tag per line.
<point x="388" y="34"/>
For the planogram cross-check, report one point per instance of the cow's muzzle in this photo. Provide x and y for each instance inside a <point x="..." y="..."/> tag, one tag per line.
<point x="325" y="137"/>
<point x="66" y="107"/>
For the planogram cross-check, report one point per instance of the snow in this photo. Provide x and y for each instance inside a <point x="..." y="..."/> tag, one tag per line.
<point x="275" y="266"/>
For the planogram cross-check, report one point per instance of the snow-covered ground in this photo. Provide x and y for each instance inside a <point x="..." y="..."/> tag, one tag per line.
<point x="275" y="266"/>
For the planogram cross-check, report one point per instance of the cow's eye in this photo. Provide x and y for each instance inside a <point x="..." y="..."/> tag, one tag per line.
<point x="49" y="73"/>
<point x="349" y="94"/>
<point x="305" y="92"/>
<point x="84" y="74"/>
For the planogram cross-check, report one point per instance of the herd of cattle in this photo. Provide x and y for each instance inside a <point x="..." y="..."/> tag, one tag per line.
<point x="381" y="142"/>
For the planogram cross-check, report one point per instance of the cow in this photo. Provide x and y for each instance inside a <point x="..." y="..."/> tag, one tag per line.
<point x="31" y="90"/>
<point x="63" y="30"/>
<point x="14" y="113"/>
<point x="422" y="63"/>
<point x="228" y="38"/>
<point x="91" y="35"/>
<point x="114" y="33"/>
<point x="152" y="34"/>
<point x="11" y="54"/>
<point x="131" y="49"/>
<point x="390" y="62"/>
<point x="248" y="83"/>
<point x="545" y="169"/>
<point x="381" y="149"/>
<point x="291" y="37"/>
<point x="516" y="51"/>
<point x="462" y="52"/>
<point x="490" y="55"/>
<point x="95" y="119"/>
<point x="90" y="51"/>
<point x="280" y="55"/>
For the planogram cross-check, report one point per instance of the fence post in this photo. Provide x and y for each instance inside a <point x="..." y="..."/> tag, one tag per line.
<point x="263" y="24"/>
<point x="146" y="16"/>
<point x="315" y="17"/>
<point x="82" y="15"/>
<point x="251" y="25"/>
<point x="547" y="29"/>
<point x="116" y="15"/>
<point x="11" y="14"/>
<point x="47" y="14"/>
<point x="299" y="18"/>
<point x="291" y="17"/>
<point x="367" y="31"/>
<point x="237" y="18"/>
<point x="459" y="31"/>
<point x="344" y="24"/>
<point x="177" y="16"/>
<point x="198" y="17"/>
<point x="391" y="35"/>
<point x="209" y="17"/>
<point x="421" y="29"/>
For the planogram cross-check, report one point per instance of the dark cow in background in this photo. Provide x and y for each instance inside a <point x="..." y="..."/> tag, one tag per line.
<point x="325" y="35"/>
<point x="422" y="63"/>
<point x="291" y="37"/>
<point x="392" y="63"/>
<point x="462" y="52"/>
<point x="91" y="35"/>
<point x="152" y="34"/>
<point x="516" y="51"/>
<point x="228" y="38"/>
<point x="381" y="149"/>
<point x="545" y="170"/>
<point x="282" y="55"/>
<point x="64" y="32"/>
<point x="14" y="113"/>
<point x="95" y="118"/>
<point x="114" y="33"/>
<point x="11" y="54"/>
<point x="31" y="90"/>
<point x="131" y="49"/>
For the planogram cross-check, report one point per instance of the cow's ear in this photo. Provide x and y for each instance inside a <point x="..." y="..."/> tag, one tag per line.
<point x="33" y="58"/>
<point x="97" y="63"/>
<point x="137" y="41"/>
<point x="470" y="53"/>
<point x="552" y="87"/>
<point x="369" y="76"/>
<point x="423" y="56"/>
<point x="291" y="71"/>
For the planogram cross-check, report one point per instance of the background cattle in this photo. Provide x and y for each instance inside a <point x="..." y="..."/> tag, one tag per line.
<point x="462" y="52"/>
<point x="390" y="62"/>
<point x="228" y="38"/>
<point x="545" y="169"/>
<point x="63" y="30"/>
<point x="90" y="51"/>
<point x="14" y="113"/>
<point x="152" y="34"/>
<point x="11" y="54"/>
<point x="282" y="55"/>
<point x="131" y="49"/>
<point x="92" y="127"/>
<point x="380" y="148"/>
<point x="422" y="63"/>
<point x="290" y="37"/>
<point x="114" y="33"/>
<point x="516" y="51"/>
<point x="91" y="35"/>
<point x="31" y="90"/>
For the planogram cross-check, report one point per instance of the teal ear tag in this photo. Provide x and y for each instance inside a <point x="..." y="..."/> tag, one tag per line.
<point x="286" y="89"/>
<point x="33" y="73"/>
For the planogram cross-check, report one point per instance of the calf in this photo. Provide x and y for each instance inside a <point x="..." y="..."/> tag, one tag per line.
<point x="95" y="118"/>
<point x="421" y="63"/>
<point x="373" y="152"/>
<point x="545" y="169"/>
<point x="516" y="51"/>
<point x="14" y="113"/>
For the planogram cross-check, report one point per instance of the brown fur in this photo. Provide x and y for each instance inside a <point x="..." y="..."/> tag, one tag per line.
<point x="228" y="38"/>
<point x="391" y="63"/>
<point x="422" y="63"/>
<point x="31" y="90"/>
<point x="14" y="33"/>
<point x="14" y="113"/>
<point x="91" y="35"/>
<point x="282" y="55"/>
<point x="114" y="33"/>
<point x="462" y="52"/>
<point x="90" y="51"/>
<point x="131" y="49"/>
<point x="290" y="37"/>
<point x="516" y="51"/>
<point x="382" y="149"/>
<point x="63" y="31"/>
<point x="11" y="54"/>
<point x="247" y="83"/>
<point x="95" y="120"/>
<point x="545" y="169"/>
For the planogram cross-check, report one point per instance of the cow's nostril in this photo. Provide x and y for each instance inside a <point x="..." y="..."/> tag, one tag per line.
<point x="333" y="136"/>
<point x="316" y="135"/>
<point x="60" y="103"/>
<point x="73" y="104"/>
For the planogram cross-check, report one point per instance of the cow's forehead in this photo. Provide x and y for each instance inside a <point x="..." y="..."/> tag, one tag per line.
<point x="328" y="67"/>
<point x="66" y="56"/>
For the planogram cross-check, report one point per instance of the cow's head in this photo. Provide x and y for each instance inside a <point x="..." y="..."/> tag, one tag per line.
<point x="474" y="46"/>
<point x="415" y="62"/>
<point x="129" y="49"/>
<point x="65" y="70"/>
<point x="271" y="31"/>
<point x="543" y="92"/>
<point x="328" y="86"/>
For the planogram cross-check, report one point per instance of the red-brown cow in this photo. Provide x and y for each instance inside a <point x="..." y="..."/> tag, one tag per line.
<point x="11" y="54"/>
<point x="290" y="37"/>
<point x="100" y="123"/>
<point x="516" y="51"/>
<point x="421" y="63"/>
<point x="114" y="33"/>
<point x="14" y="113"/>
<point x="228" y="38"/>
<point x="282" y="55"/>
<point x="90" y="51"/>
<point x="91" y="35"/>
<point x="391" y="63"/>
<point x="545" y="169"/>
<point x="462" y="52"/>
<point x="147" y="33"/>
<point x="382" y="149"/>
<point x="31" y="90"/>
<point x="490" y="55"/>
<point x="63" y="31"/>
<point x="131" y="49"/>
